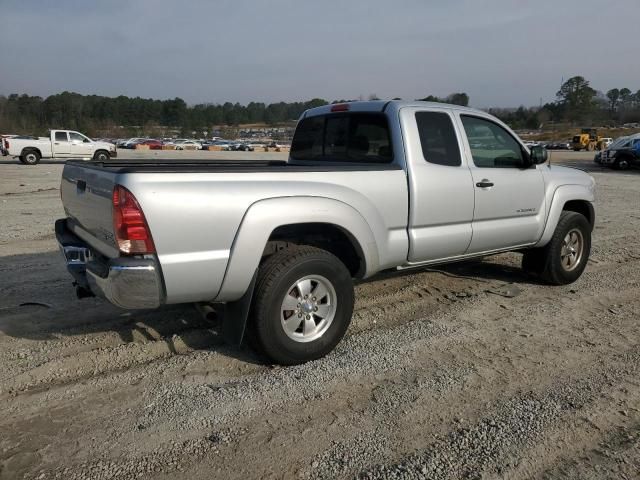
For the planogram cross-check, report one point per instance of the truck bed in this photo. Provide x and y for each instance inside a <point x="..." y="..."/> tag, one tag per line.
<point x="194" y="208"/>
<point x="224" y="166"/>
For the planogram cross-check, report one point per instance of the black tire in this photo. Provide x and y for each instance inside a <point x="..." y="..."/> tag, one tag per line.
<point x="276" y="277"/>
<point x="21" y="160"/>
<point x="622" y="164"/>
<point x="101" y="156"/>
<point x="30" y="157"/>
<point x="547" y="262"/>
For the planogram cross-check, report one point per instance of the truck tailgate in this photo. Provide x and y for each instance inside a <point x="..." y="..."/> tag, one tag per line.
<point x="87" y="198"/>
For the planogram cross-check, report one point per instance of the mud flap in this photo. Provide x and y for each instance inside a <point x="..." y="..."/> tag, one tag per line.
<point x="235" y="315"/>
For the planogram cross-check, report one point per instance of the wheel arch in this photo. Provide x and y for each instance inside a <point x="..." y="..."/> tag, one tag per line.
<point x="327" y="236"/>
<point x="26" y="150"/>
<point x="582" y="207"/>
<point x="575" y="198"/>
<point x="95" y="154"/>
<point x="272" y="223"/>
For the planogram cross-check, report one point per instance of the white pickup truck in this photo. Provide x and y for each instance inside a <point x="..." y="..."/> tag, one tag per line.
<point x="368" y="187"/>
<point x="60" y="144"/>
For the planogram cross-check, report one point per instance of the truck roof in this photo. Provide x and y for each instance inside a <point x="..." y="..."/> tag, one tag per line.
<point x="382" y="105"/>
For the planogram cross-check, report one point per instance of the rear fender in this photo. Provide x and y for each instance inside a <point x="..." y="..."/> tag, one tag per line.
<point x="28" y="149"/>
<point x="263" y="217"/>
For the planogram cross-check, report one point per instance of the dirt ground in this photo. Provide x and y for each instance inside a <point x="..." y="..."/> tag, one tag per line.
<point x="474" y="370"/>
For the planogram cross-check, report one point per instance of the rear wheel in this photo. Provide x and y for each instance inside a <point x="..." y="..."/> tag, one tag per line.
<point x="30" y="157"/>
<point x="302" y="306"/>
<point x="565" y="257"/>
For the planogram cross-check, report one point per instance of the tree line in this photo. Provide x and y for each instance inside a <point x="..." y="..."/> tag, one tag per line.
<point x="99" y="115"/>
<point x="576" y="102"/>
<point x="26" y="114"/>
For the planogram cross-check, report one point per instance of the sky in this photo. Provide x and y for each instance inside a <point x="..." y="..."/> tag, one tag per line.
<point x="503" y="53"/>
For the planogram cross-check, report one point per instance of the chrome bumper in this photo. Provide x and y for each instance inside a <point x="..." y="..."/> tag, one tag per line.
<point x="132" y="286"/>
<point x="128" y="282"/>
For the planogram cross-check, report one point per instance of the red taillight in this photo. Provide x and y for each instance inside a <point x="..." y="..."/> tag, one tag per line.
<point x="129" y="224"/>
<point x="340" y="107"/>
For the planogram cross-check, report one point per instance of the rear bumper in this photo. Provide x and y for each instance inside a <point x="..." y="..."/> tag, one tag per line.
<point x="127" y="282"/>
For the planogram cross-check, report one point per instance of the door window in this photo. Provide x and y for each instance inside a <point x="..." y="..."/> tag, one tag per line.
<point x="438" y="139"/>
<point x="491" y="145"/>
<point x="75" y="136"/>
<point x="61" y="136"/>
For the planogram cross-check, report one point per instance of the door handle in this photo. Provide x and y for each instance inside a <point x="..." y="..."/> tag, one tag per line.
<point x="484" y="183"/>
<point x="56" y="143"/>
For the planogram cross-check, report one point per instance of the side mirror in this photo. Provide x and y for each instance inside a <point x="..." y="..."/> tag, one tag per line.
<point x="538" y="155"/>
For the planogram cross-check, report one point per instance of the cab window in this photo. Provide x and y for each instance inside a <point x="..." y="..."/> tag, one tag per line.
<point x="438" y="139"/>
<point x="491" y="145"/>
<point x="75" y="136"/>
<point x="61" y="137"/>
<point x="353" y="137"/>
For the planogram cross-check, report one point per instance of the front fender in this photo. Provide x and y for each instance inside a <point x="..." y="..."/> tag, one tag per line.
<point x="562" y="195"/>
<point x="263" y="217"/>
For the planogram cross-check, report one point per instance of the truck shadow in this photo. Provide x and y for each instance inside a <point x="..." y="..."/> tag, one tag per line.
<point x="477" y="270"/>
<point x="39" y="304"/>
<point x="44" y="161"/>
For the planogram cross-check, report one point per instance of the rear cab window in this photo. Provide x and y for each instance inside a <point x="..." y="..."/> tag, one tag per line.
<point x="343" y="137"/>
<point x="61" y="137"/>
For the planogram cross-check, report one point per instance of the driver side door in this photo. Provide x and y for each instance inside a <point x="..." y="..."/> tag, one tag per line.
<point x="509" y="196"/>
<point x="81" y="146"/>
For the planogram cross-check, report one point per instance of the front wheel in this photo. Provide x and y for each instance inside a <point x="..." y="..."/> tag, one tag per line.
<point x="302" y="305"/>
<point x="622" y="164"/>
<point x="101" y="156"/>
<point x="565" y="257"/>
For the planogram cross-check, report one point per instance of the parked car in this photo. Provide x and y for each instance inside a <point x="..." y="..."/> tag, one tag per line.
<point x="187" y="145"/>
<point x="152" y="143"/>
<point x="60" y="144"/>
<point x="131" y="142"/>
<point x="561" y="145"/>
<point x="240" y="147"/>
<point x="388" y="186"/>
<point x="606" y="142"/>
<point x="224" y="144"/>
<point x="277" y="145"/>
<point x="623" y="153"/>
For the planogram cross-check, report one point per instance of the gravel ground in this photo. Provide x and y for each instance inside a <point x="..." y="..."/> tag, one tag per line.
<point x="474" y="370"/>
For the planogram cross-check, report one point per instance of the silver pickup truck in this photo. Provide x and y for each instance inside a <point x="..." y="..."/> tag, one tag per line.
<point x="369" y="186"/>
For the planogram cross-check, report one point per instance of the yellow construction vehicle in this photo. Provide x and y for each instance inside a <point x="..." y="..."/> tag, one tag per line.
<point x="587" y="140"/>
